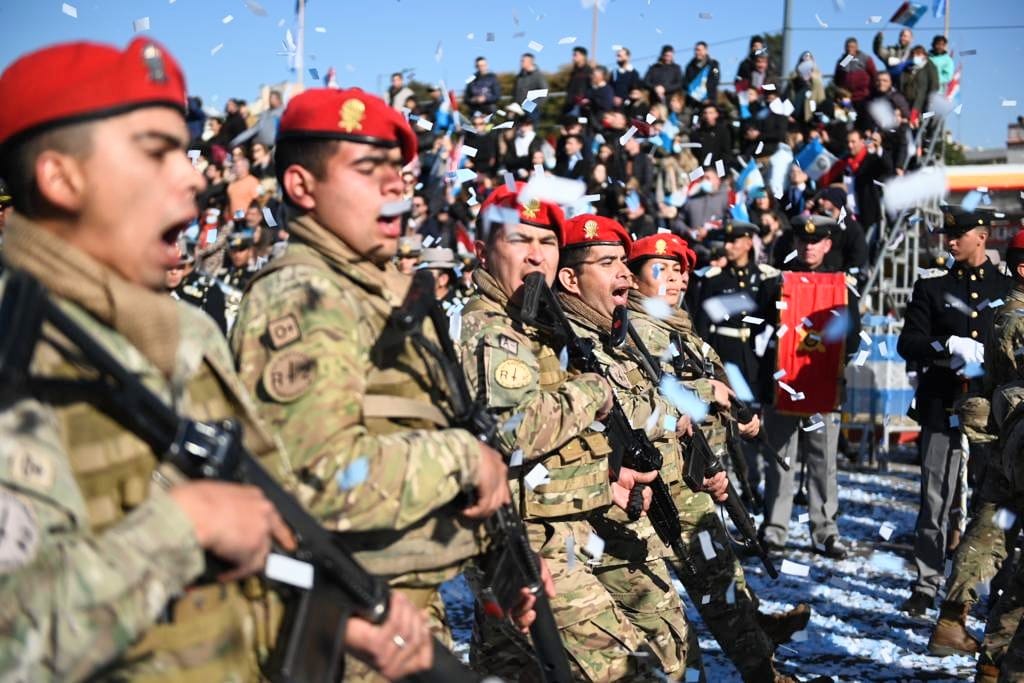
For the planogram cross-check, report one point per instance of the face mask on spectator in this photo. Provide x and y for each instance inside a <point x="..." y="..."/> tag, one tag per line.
<point x="919" y="60"/>
<point x="705" y="187"/>
<point x="805" y="68"/>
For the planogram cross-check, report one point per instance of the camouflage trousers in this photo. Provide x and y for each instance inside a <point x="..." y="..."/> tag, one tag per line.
<point x="717" y="586"/>
<point x="1004" y="635"/>
<point x="979" y="556"/>
<point x="602" y="643"/>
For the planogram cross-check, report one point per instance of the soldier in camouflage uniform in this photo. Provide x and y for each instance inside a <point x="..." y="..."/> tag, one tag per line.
<point x="559" y="470"/>
<point x="660" y="266"/>
<point x="984" y="547"/>
<point x="102" y="565"/>
<point x="593" y="280"/>
<point x="360" y="411"/>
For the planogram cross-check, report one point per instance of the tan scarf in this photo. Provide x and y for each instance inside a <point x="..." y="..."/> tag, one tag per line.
<point x="581" y="312"/>
<point x="149" y="320"/>
<point x="385" y="281"/>
<point x="490" y="288"/>
<point x="679" y="320"/>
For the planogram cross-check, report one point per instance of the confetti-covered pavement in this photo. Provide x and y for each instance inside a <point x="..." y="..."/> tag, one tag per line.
<point x="857" y="632"/>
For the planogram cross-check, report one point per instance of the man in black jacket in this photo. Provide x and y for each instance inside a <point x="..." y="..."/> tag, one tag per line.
<point x="664" y="77"/>
<point x="483" y="92"/>
<point x="947" y="323"/>
<point x="696" y="68"/>
<point x="624" y="76"/>
<point x="579" y="81"/>
<point x="713" y="134"/>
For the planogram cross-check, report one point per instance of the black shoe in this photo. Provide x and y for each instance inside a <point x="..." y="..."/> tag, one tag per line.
<point x="833" y="548"/>
<point x="917" y="604"/>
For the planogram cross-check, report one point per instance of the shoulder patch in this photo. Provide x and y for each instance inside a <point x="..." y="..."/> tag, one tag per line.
<point x="619" y="376"/>
<point x="768" y="271"/>
<point x="32" y="470"/>
<point x="19" y="532"/>
<point x="283" y="331"/>
<point x="508" y="344"/>
<point x="288" y="376"/>
<point x="513" y="373"/>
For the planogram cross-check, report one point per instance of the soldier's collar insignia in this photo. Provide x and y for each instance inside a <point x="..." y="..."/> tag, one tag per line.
<point x="352" y="113"/>
<point x="590" y="229"/>
<point x="660" y="247"/>
<point x="531" y="208"/>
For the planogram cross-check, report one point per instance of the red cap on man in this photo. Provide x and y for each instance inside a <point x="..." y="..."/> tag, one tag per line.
<point x="588" y="230"/>
<point x="539" y="214"/>
<point x="664" y="245"/>
<point x="352" y="114"/>
<point x="75" y="82"/>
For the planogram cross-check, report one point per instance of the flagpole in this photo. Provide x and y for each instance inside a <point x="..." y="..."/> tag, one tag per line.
<point x="946" y="31"/>
<point x="593" y="36"/>
<point x="301" y="43"/>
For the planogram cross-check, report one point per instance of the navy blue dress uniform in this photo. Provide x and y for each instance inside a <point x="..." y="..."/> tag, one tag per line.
<point x="733" y="338"/>
<point x="202" y="291"/>
<point x="946" y="318"/>
<point x="816" y="451"/>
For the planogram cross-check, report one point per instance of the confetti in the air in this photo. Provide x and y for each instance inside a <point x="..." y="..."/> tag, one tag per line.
<point x="228" y="19"/>
<point x="684" y="400"/>
<point x="268" y="216"/>
<point x="256" y="8"/>
<point x="567" y="40"/>
<point x="512" y="423"/>
<point x="706" y="546"/>
<point x="1009" y="103"/>
<point x="820" y="22"/>
<point x="140" y="25"/>
<point x="885" y="531"/>
<point x="720" y="308"/>
<point x="657" y="309"/>
<point x="69" y="10"/>
<point x="845" y="61"/>
<point x="538" y="476"/>
<point x="738" y="382"/>
<point x="515" y="459"/>
<point x="216" y="48"/>
<point x="535" y="46"/>
<point x="1004" y="518"/>
<point x="594" y="547"/>
<point x="914" y="189"/>
<point x="320" y="29"/>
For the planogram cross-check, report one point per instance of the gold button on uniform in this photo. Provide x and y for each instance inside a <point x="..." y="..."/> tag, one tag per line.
<point x="974" y="314"/>
<point x="974" y="333"/>
<point x="974" y="277"/>
<point x="974" y="295"/>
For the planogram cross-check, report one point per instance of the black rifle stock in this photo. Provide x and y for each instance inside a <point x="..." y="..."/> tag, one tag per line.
<point x="511" y="565"/>
<point x="631" y="447"/>
<point x="702" y="463"/>
<point x="310" y="646"/>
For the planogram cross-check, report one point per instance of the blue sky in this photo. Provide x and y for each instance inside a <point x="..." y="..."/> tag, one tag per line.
<point x="366" y="41"/>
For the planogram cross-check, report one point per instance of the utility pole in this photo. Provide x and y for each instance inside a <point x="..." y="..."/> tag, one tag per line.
<point x="786" y="30"/>
<point x="946" y="30"/>
<point x="300" y="44"/>
<point x="593" y="35"/>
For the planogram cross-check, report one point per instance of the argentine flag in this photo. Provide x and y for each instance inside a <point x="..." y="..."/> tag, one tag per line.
<point x="814" y="159"/>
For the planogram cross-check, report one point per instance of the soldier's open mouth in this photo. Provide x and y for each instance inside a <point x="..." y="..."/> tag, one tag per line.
<point x="620" y="296"/>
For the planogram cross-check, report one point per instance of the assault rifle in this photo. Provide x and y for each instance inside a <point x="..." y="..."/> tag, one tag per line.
<point x="630" y="447"/>
<point x="701" y="461"/>
<point x="511" y="564"/>
<point x="310" y="647"/>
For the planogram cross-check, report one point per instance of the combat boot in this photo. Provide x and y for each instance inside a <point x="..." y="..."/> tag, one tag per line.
<point x="986" y="673"/>
<point x="780" y="627"/>
<point x="766" y="673"/>
<point x="950" y="635"/>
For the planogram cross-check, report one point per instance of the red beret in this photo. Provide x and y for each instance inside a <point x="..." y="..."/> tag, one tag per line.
<point x="353" y="115"/>
<point x="73" y="82"/>
<point x="535" y="212"/>
<point x="588" y="230"/>
<point x="663" y="245"/>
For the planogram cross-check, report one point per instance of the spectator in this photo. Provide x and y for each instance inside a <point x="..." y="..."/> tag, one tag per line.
<point x="942" y="61"/>
<point x="917" y="82"/>
<point x="244" y="189"/>
<point x="664" y="77"/>
<point x="898" y="143"/>
<point x="757" y="48"/>
<point x="483" y="92"/>
<point x="640" y="167"/>
<point x="713" y="134"/>
<point x="518" y="157"/>
<point x="885" y="91"/>
<point x="398" y="92"/>
<point x="805" y="89"/>
<point x="262" y="162"/>
<point x="759" y="73"/>
<point x="234" y="122"/>
<point x="573" y="165"/>
<point x="774" y="231"/>
<point x="624" y="77"/>
<point x="600" y="97"/>
<point x="638" y="105"/>
<point x="579" y="81"/>
<point x="216" y="192"/>
<point x="195" y="119"/>
<point x="529" y="78"/>
<point x="862" y="170"/>
<point x="850" y="250"/>
<point x="266" y="125"/>
<point x="769" y="125"/>
<point x="708" y="201"/>
<point x="801" y="188"/>
<point x="855" y="72"/>
<point x="701" y="77"/>
<point x="486" y="159"/>
<point x="419" y="213"/>
<point x="894" y="57"/>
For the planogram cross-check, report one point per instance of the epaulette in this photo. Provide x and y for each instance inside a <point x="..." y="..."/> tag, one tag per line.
<point x="768" y="271"/>
<point x="712" y="271"/>
<point x="929" y="273"/>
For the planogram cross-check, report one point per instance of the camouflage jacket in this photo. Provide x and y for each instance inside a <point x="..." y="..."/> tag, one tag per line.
<point x="95" y="557"/>
<point x="547" y="412"/>
<point x="360" y="412"/>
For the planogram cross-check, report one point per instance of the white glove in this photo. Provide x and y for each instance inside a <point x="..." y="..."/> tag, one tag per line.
<point x="967" y="349"/>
